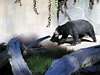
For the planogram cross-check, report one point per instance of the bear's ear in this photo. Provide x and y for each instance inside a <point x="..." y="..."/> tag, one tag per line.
<point x="59" y="26"/>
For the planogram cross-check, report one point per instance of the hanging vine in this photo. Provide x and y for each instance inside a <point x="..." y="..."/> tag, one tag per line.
<point x="75" y="1"/>
<point x="91" y="3"/>
<point x="97" y="1"/>
<point x="61" y="7"/>
<point x="18" y="1"/>
<point x="63" y="3"/>
<point x="49" y="17"/>
<point x="35" y="7"/>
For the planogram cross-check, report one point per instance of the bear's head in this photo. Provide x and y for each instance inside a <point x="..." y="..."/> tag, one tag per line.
<point x="55" y="37"/>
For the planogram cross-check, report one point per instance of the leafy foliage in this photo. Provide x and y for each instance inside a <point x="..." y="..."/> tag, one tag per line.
<point x="91" y="3"/>
<point x="18" y="1"/>
<point x="49" y="17"/>
<point x="35" y="6"/>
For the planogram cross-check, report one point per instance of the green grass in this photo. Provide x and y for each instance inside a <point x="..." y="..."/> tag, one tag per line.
<point x="39" y="64"/>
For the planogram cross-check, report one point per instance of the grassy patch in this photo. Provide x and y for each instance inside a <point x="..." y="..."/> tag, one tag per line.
<point x="39" y="64"/>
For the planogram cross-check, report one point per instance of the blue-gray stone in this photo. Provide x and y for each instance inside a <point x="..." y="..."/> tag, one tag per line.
<point x="68" y="64"/>
<point x="19" y="66"/>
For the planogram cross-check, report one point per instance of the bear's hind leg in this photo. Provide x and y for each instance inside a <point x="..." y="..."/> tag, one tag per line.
<point x="92" y="35"/>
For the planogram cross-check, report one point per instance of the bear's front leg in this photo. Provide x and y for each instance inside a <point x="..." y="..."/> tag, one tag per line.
<point x="76" y="39"/>
<point x="63" y="39"/>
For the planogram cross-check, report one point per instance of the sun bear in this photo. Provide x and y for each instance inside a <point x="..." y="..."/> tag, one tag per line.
<point x="77" y="29"/>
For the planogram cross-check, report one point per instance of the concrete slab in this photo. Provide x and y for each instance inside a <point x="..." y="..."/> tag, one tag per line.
<point x="83" y="44"/>
<point x="67" y="46"/>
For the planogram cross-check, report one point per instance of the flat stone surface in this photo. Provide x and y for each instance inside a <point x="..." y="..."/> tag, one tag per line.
<point x="83" y="44"/>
